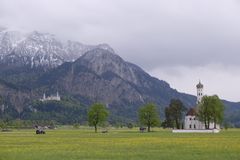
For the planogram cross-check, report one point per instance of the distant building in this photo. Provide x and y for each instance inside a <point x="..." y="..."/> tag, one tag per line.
<point x="2" y="107"/>
<point x="191" y="120"/>
<point x="51" y="97"/>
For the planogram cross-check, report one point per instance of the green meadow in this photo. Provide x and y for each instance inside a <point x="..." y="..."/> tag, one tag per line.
<point x="83" y="143"/>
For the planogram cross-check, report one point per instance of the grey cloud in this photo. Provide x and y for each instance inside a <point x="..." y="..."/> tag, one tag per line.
<point x="158" y="35"/>
<point x="147" y="32"/>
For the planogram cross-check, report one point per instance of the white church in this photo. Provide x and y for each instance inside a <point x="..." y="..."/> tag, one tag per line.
<point x="191" y="121"/>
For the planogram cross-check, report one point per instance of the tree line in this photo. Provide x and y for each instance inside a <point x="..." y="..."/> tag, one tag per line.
<point x="211" y="109"/>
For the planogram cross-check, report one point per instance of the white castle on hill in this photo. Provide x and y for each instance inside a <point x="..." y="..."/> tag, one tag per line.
<point x="51" y="98"/>
<point x="191" y="121"/>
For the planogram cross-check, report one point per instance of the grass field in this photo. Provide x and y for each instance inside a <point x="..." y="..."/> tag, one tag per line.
<point x="118" y="144"/>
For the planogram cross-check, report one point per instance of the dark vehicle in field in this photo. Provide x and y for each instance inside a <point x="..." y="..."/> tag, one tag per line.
<point x="39" y="130"/>
<point x="142" y="129"/>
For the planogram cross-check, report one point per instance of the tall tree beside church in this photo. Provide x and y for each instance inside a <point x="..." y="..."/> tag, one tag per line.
<point x="175" y="113"/>
<point x="218" y="111"/>
<point x="204" y="111"/>
<point x="211" y="109"/>
<point x="149" y="116"/>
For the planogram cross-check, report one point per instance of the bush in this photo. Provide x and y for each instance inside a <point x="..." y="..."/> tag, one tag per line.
<point x="76" y="126"/>
<point x="3" y="125"/>
<point x="130" y="125"/>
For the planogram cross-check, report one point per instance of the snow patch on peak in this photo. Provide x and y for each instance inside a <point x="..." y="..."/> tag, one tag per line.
<point x="40" y="49"/>
<point x="106" y="47"/>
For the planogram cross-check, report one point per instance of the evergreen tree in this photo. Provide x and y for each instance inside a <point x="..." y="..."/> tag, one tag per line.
<point x="175" y="113"/>
<point x="169" y="122"/>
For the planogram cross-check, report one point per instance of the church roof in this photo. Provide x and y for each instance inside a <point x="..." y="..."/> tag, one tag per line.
<point x="191" y="112"/>
<point x="199" y="85"/>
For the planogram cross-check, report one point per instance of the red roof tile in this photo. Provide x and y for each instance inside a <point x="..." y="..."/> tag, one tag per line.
<point x="191" y="112"/>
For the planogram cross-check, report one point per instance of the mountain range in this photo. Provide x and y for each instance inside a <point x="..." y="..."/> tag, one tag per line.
<point x="35" y="63"/>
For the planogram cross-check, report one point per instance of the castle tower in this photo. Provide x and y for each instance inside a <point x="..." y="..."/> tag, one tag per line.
<point x="58" y="97"/>
<point x="199" y="92"/>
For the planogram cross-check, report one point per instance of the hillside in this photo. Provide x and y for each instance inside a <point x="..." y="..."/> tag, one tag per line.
<point x="95" y="74"/>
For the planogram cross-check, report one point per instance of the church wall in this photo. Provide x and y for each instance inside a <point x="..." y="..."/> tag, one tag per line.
<point x="191" y="121"/>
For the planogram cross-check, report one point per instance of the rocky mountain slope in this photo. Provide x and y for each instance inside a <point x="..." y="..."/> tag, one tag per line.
<point x="102" y="76"/>
<point x="37" y="63"/>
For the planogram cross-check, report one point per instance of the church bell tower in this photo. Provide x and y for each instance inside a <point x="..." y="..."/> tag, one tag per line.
<point x="199" y="92"/>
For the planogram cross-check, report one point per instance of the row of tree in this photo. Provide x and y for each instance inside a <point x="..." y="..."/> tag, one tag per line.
<point x="211" y="109"/>
<point x="148" y="115"/>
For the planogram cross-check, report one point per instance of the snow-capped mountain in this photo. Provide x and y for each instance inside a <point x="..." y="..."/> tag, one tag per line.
<point x="98" y="75"/>
<point x="36" y="49"/>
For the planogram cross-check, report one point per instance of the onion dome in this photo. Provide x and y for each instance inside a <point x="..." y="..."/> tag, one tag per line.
<point x="199" y="85"/>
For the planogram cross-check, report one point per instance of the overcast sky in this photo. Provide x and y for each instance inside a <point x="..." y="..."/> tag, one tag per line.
<point x="180" y="41"/>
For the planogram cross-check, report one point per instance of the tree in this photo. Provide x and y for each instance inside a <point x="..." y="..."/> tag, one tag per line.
<point x="217" y="111"/>
<point x="97" y="115"/>
<point x="204" y="112"/>
<point x="168" y="123"/>
<point x="211" y="109"/>
<point x="1" y="104"/>
<point x="1" y="100"/>
<point x="149" y="116"/>
<point x="174" y="113"/>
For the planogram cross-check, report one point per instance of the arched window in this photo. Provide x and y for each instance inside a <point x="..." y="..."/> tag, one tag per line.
<point x="194" y="126"/>
<point x="190" y="126"/>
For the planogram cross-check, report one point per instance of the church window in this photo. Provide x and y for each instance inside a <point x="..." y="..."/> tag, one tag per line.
<point x="190" y="119"/>
<point x="194" y="126"/>
<point x="190" y="126"/>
